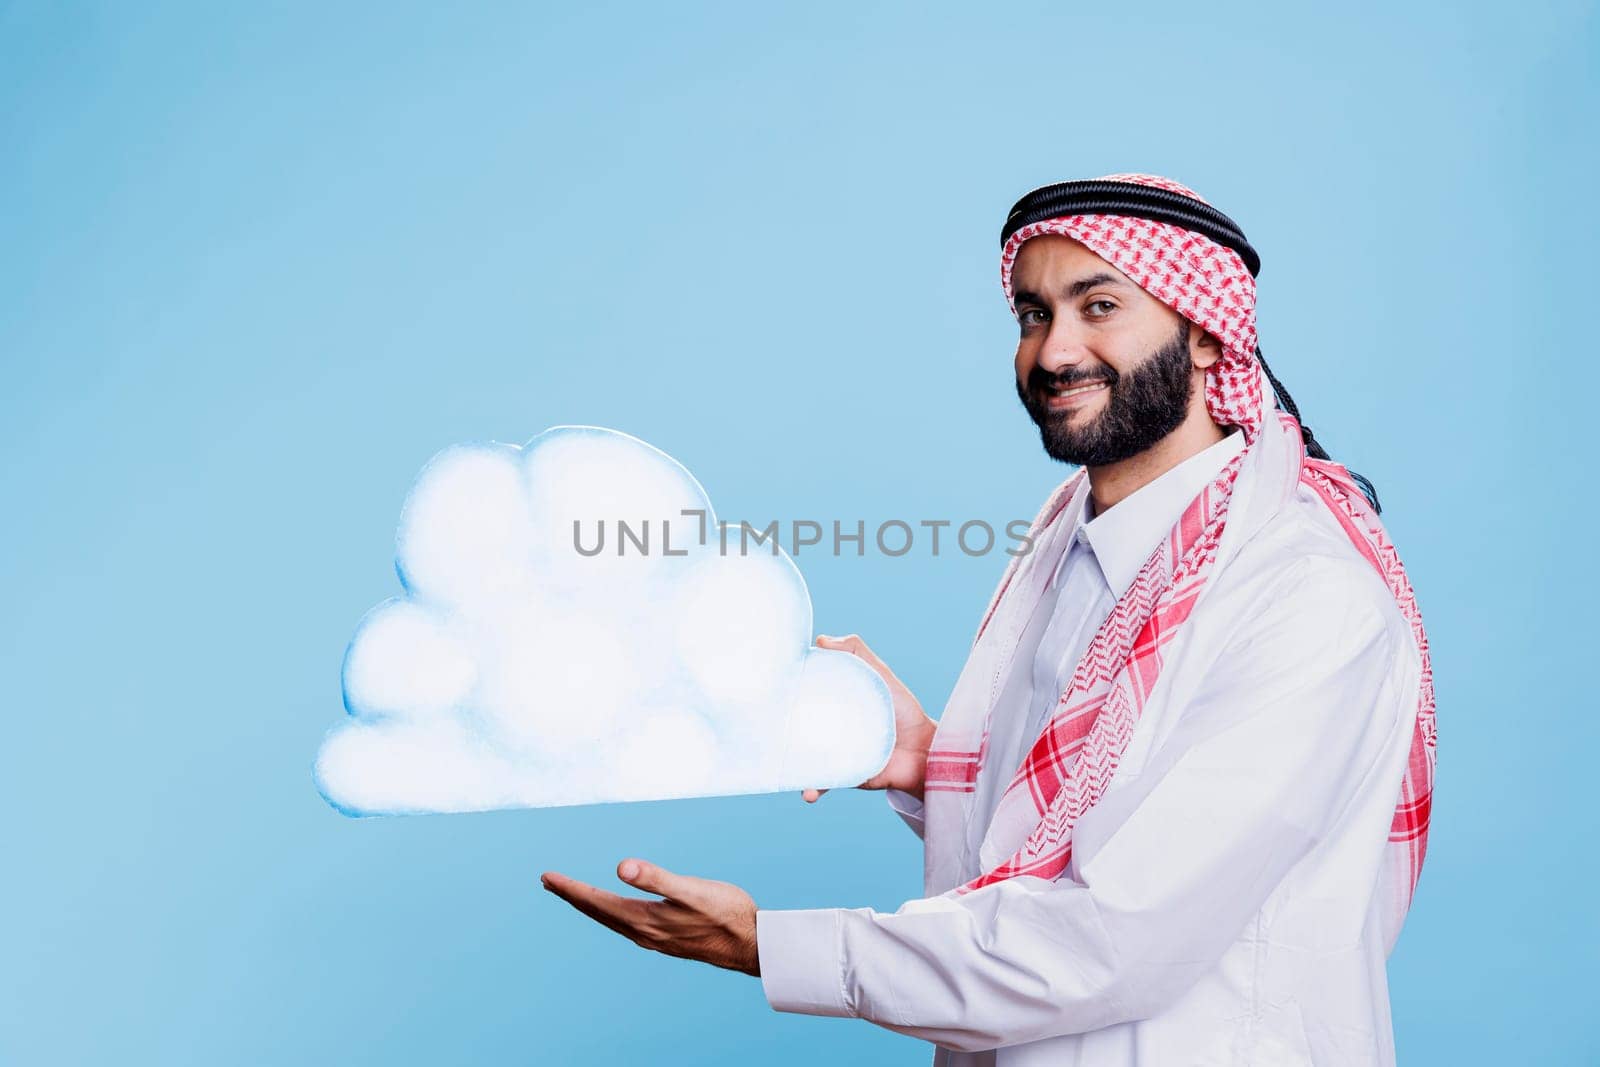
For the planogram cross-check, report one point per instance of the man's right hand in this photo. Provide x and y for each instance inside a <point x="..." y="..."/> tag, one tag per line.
<point x="913" y="730"/>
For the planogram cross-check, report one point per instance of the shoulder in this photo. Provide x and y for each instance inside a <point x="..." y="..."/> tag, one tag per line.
<point x="1299" y="581"/>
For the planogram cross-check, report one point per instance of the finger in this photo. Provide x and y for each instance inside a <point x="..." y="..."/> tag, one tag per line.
<point x="610" y="922"/>
<point x="847" y="643"/>
<point x="633" y="930"/>
<point x="658" y="880"/>
<point x="621" y="914"/>
<point x="811" y="796"/>
<point x="582" y="894"/>
<point x="853" y="644"/>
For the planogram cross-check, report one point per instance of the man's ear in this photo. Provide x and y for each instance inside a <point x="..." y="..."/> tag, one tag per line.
<point x="1204" y="349"/>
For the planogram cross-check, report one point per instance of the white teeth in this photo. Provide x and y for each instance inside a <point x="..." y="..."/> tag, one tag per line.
<point x="1075" y="390"/>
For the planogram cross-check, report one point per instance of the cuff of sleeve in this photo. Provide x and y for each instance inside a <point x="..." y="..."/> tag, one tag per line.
<point x="801" y="966"/>
<point x="908" y="807"/>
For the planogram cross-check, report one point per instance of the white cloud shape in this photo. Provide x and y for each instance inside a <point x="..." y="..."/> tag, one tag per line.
<point x="518" y="671"/>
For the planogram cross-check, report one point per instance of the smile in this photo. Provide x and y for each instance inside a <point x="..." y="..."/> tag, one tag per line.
<point x="1062" y="398"/>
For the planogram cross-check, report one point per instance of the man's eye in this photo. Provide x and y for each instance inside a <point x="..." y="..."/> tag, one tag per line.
<point x="1108" y="305"/>
<point x="1030" y="317"/>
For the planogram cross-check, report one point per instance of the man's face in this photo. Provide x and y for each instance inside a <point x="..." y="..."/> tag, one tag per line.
<point x="1105" y="369"/>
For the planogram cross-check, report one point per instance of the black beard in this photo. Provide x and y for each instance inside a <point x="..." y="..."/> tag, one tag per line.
<point x="1142" y="406"/>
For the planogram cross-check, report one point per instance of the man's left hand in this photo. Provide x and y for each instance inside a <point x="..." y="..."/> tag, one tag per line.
<point x="698" y="919"/>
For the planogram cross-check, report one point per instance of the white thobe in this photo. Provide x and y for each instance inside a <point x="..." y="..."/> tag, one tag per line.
<point x="1222" y="902"/>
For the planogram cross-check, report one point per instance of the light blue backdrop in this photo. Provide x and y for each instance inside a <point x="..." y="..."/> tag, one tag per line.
<point x="256" y="267"/>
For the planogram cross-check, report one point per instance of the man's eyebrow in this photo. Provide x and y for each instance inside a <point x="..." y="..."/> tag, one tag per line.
<point x="1083" y="285"/>
<point x="1077" y="288"/>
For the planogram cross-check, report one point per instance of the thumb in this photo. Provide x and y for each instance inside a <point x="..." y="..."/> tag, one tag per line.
<point x="653" y="879"/>
<point x="858" y="648"/>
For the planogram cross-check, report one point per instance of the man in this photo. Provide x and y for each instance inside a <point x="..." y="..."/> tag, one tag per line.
<point x="1175" y="808"/>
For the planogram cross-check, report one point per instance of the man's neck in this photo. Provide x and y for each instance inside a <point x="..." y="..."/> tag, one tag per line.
<point x="1115" y="482"/>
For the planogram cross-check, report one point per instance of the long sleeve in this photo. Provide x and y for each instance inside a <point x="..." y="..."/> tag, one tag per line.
<point x="908" y="807"/>
<point x="1301" y="725"/>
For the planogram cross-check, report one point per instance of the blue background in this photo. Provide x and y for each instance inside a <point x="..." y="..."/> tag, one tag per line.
<point x="256" y="267"/>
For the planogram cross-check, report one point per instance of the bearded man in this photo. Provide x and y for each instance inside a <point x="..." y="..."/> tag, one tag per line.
<point x="1176" y="806"/>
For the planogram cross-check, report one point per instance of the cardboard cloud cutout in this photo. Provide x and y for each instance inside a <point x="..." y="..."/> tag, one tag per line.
<point x="521" y="668"/>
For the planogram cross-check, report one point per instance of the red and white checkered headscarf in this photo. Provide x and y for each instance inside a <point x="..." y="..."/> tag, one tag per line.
<point x="1192" y="274"/>
<point x="1071" y="764"/>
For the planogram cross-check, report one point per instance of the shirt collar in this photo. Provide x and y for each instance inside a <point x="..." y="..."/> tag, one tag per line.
<point x="1124" y="535"/>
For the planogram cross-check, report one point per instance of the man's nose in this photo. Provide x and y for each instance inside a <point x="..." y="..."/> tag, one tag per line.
<point x="1063" y="349"/>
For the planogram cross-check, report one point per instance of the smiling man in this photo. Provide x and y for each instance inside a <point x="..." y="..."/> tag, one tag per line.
<point x="1177" y="803"/>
